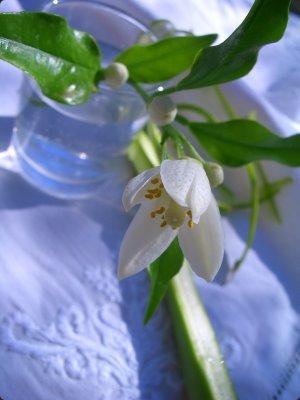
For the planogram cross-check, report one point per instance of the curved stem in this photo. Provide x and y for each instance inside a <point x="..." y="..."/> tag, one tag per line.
<point x="139" y="89"/>
<point x="225" y="103"/>
<point x="253" y="219"/>
<point x="267" y="186"/>
<point x="274" y="189"/>
<point x="198" y="110"/>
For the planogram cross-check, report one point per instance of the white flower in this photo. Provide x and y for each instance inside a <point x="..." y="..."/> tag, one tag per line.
<point x="175" y="199"/>
<point x="116" y="75"/>
<point x="162" y="110"/>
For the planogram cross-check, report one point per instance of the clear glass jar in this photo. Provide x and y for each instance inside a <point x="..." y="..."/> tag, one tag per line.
<point x="68" y="151"/>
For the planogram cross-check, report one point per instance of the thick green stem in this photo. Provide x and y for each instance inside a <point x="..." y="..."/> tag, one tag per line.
<point x="204" y="370"/>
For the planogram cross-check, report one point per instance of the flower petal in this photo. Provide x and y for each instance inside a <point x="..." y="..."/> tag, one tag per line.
<point x="187" y="184"/>
<point x="203" y="245"/>
<point x="134" y="193"/>
<point x="144" y="241"/>
<point x="199" y="197"/>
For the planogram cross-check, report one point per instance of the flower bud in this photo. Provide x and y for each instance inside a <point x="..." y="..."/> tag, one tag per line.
<point x="214" y="173"/>
<point x="116" y="75"/>
<point x="146" y="38"/>
<point x="162" y="110"/>
<point x="162" y="28"/>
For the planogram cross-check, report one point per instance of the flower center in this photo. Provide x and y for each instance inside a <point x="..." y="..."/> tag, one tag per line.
<point x="172" y="214"/>
<point x="154" y="193"/>
<point x="175" y="215"/>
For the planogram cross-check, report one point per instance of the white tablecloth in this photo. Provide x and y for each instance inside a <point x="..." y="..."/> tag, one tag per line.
<point x="70" y="331"/>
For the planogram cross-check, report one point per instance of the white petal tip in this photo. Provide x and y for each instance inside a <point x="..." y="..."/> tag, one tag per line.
<point x="126" y="207"/>
<point x="207" y="277"/>
<point x="123" y="273"/>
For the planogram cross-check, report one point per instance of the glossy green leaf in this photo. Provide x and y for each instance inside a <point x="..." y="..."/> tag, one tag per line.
<point x="240" y="141"/>
<point x="236" y="56"/>
<point x="63" y="61"/>
<point x="163" y="60"/>
<point x="161" y="271"/>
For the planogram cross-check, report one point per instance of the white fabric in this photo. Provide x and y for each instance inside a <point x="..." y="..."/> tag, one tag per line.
<point x="68" y="330"/>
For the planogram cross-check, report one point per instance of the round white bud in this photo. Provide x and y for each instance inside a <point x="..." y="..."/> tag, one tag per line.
<point x="146" y="38"/>
<point x="162" y="28"/>
<point x="162" y="110"/>
<point x="214" y="173"/>
<point x="116" y="75"/>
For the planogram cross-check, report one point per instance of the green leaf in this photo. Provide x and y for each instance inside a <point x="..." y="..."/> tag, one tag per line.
<point x="163" y="60"/>
<point x="63" y="61"/>
<point x="161" y="271"/>
<point x="236" y="56"/>
<point x="238" y="142"/>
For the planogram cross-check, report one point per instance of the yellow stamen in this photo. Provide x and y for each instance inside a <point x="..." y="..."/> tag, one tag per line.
<point x="154" y="181"/>
<point x="190" y="224"/>
<point x="149" y="196"/>
<point x="152" y="214"/>
<point x="189" y="213"/>
<point x="161" y="186"/>
<point x="157" y="195"/>
<point x="153" y="191"/>
<point x="163" y="224"/>
<point x="160" y="210"/>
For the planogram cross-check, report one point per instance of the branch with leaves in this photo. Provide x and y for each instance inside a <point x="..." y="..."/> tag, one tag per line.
<point x="175" y="183"/>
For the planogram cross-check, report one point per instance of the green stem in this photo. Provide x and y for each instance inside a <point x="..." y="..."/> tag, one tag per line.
<point x="254" y="188"/>
<point x="253" y="218"/>
<point x="164" y="155"/>
<point x="196" y="109"/>
<point x="144" y="95"/>
<point x="225" y="103"/>
<point x="274" y="189"/>
<point x="170" y="132"/>
<point x="267" y="187"/>
<point x="194" y="153"/>
<point x="204" y="370"/>
<point x="263" y="176"/>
